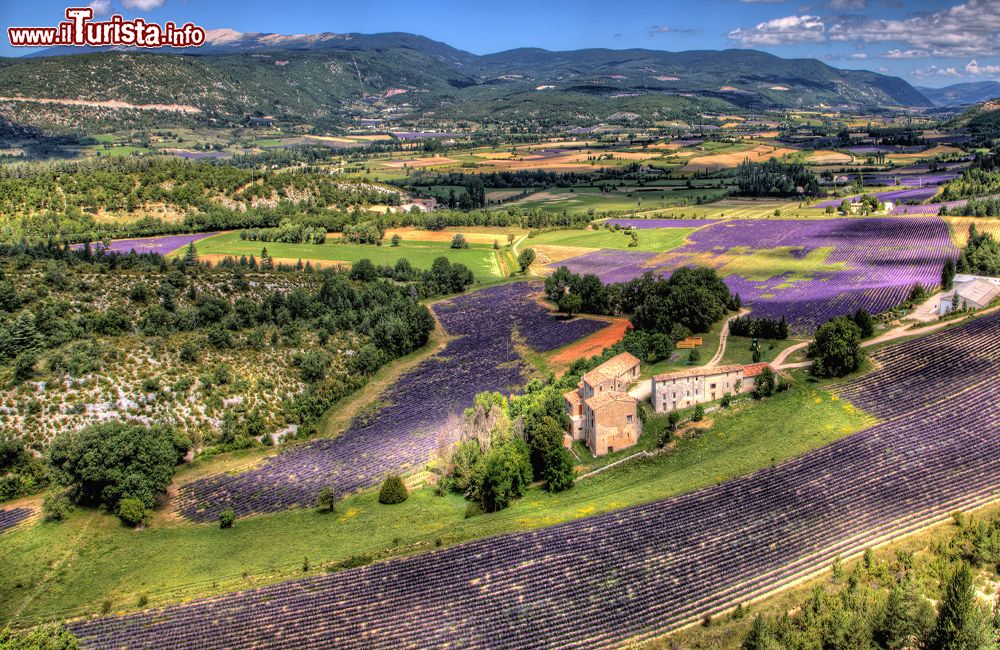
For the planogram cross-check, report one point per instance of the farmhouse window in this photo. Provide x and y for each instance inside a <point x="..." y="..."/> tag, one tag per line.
<point x="628" y="418"/>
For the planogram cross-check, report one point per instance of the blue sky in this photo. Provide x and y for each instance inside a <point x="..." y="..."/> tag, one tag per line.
<point x="926" y="42"/>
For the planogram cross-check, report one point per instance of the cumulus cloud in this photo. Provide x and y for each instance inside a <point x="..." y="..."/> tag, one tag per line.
<point x="142" y="5"/>
<point x="965" y="29"/>
<point x="781" y="31"/>
<point x="934" y="71"/>
<point x="975" y="69"/>
<point x="100" y="7"/>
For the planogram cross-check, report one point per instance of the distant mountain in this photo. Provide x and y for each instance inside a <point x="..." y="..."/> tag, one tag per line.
<point x="327" y="76"/>
<point x="963" y="94"/>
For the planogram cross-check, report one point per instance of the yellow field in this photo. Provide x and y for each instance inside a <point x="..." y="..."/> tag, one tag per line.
<point x="730" y="160"/>
<point x="959" y="227"/>
<point x="825" y="157"/>
<point x="419" y="162"/>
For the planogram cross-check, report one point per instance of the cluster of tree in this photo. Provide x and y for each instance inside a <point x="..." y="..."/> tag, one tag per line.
<point x="901" y="136"/>
<point x="836" y="350"/>
<point x="867" y="204"/>
<point x="21" y="472"/>
<point x="120" y="466"/>
<point x="364" y="232"/>
<point x="443" y="277"/>
<point x="974" y="182"/>
<point x="49" y="637"/>
<point x="774" y="178"/>
<point x="759" y="327"/>
<point x="981" y="256"/>
<point x="504" y="445"/>
<point x="985" y="207"/>
<point x="888" y="603"/>
<point x="287" y="232"/>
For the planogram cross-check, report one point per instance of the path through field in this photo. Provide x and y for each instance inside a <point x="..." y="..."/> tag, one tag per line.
<point x="636" y="573"/>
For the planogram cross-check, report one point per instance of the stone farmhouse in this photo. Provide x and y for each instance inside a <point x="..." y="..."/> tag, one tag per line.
<point x="677" y="390"/>
<point x="601" y="412"/>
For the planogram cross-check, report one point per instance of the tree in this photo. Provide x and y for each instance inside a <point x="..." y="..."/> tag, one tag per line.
<point x="570" y="303"/>
<point x="760" y="636"/>
<point x="906" y="618"/>
<point x="458" y="241"/>
<point x="865" y="322"/>
<point x="227" y="518"/>
<point x="763" y="384"/>
<point x="53" y="637"/>
<point x="526" y="259"/>
<point x="326" y="501"/>
<point x="56" y="506"/>
<point x="190" y="255"/>
<point x="836" y="350"/>
<point x="363" y="271"/>
<point x="395" y="241"/>
<point x="132" y="511"/>
<point x="560" y="475"/>
<point x="699" y="413"/>
<point x="105" y="463"/>
<point x="961" y="622"/>
<point x="504" y="475"/>
<point x="393" y="491"/>
<point x="266" y="262"/>
<point x="694" y="356"/>
<point x="948" y="275"/>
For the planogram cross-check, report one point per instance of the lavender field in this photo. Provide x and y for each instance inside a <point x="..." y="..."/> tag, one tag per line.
<point x="652" y="568"/>
<point x="159" y="245"/>
<point x="872" y="263"/>
<point x="406" y="431"/>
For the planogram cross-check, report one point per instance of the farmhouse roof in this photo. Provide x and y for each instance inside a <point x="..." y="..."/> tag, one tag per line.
<point x="698" y="372"/>
<point x="754" y="369"/>
<point x="573" y="397"/>
<point x="597" y="402"/>
<point x="613" y="367"/>
<point x="980" y="292"/>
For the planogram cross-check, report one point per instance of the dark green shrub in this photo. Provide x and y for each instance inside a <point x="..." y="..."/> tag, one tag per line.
<point x="227" y="518"/>
<point x="132" y="511"/>
<point x="393" y="491"/>
<point x="56" y="506"/>
<point x="327" y="501"/>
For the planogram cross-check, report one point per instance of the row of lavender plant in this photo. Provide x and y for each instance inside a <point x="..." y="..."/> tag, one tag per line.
<point x="419" y="413"/>
<point x="10" y="517"/>
<point x="883" y="259"/>
<point x="644" y="570"/>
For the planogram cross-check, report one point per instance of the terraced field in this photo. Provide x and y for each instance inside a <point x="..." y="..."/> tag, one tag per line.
<point x="648" y="569"/>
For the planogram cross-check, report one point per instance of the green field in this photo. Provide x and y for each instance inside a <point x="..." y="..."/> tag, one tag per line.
<point x="656" y="240"/>
<point x="71" y="568"/>
<point x="480" y="258"/>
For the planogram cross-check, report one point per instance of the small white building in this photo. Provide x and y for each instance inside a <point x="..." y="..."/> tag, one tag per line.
<point x="971" y="292"/>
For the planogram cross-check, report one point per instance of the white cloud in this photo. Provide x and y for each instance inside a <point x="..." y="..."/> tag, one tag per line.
<point x="781" y="31"/>
<point x="965" y="29"/>
<point x="100" y="7"/>
<point x="142" y="5"/>
<point x="859" y="56"/>
<point x="666" y="29"/>
<point x="883" y="69"/>
<point x="975" y="69"/>
<point x="934" y="71"/>
<point x="906" y="54"/>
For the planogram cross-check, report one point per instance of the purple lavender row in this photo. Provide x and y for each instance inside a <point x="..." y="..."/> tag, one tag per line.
<point x="883" y="259"/>
<point x="423" y="406"/>
<point x="645" y="570"/>
<point x="10" y="517"/>
<point x="913" y="194"/>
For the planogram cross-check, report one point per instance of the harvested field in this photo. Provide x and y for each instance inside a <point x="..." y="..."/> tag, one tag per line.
<point x="419" y="162"/>
<point x="959" y="227"/>
<point x="413" y="234"/>
<point x="546" y="254"/>
<point x="824" y="157"/>
<point x="732" y="160"/>
<point x="592" y="345"/>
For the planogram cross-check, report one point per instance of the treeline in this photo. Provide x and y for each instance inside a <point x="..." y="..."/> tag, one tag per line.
<point x="288" y="233"/>
<point x="981" y="256"/>
<point x="976" y="208"/>
<point x="759" y="327"/>
<point x="774" y="178"/>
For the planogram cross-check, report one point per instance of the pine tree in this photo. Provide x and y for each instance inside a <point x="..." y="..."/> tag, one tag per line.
<point x="961" y="623"/>
<point x="191" y="255"/>
<point x="23" y="335"/>
<point x="266" y="263"/>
